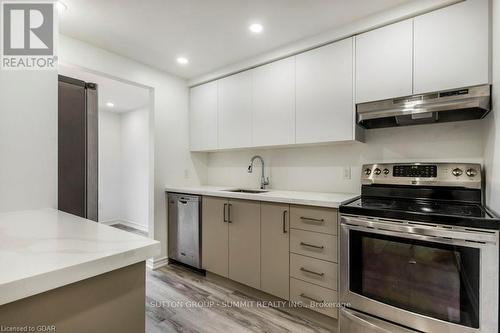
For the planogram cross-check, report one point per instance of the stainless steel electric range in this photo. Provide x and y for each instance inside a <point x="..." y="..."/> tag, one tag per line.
<point x="419" y="252"/>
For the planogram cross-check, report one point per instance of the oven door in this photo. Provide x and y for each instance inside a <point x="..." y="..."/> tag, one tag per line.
<point x="431" y="278"/>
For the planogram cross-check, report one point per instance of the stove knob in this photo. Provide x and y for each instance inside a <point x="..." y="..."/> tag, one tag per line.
<point x="457" y="172"/>
<point x="377" y="171"/>
<point x="386" y="172"/>
<point x="368" y="172"/>
<point x="471" y="172"/>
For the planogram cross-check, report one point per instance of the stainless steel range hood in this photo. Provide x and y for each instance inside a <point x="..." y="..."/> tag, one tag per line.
<point x="450" y="105"/>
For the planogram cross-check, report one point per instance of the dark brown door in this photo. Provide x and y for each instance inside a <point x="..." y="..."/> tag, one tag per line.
<point x="77" y="141"/>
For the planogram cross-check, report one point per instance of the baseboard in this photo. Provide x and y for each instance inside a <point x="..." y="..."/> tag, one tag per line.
<point x="155" y="263"/>
<point x="127" y="223"/>
<point x="134" y="225"/>
<point x="110" y="222"/>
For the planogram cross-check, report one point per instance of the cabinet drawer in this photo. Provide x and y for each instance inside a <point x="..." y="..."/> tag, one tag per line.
<point x="313" y="244"/>
<point x="314" y="297"/>
<point x="314" y="219"/>
<point x="316" y="271"/>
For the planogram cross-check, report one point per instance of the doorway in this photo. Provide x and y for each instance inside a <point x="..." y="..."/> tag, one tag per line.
<point x="124" y="150"/>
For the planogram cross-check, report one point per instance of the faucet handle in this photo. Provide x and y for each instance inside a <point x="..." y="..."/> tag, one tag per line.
<point x="266" y="181"/>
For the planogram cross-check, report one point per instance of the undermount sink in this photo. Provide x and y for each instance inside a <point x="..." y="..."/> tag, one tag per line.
<point x="247" y="191"/>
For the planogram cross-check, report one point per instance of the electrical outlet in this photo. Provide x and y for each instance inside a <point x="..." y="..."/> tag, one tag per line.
<point x="346" y="173"/>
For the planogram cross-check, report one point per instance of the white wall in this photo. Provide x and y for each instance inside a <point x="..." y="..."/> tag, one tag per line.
<point x="28" y="140"/>
<point x="321" y="168"/>
<point x="135" y="166"/>
<point x="124" y="167"/>
<point x="492" y="133"/>
<point x="169" y="121"/>
<point x="110" y="170"/>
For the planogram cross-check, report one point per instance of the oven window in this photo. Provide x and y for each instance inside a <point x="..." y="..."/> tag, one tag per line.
<point x="432" y="279"/>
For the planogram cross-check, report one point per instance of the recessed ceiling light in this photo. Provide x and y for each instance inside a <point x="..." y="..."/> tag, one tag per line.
<point x="182" y="61"/>
<point x="110" y="104"/>
<point x="256" y="28"/>
<point x="61" y="7"/>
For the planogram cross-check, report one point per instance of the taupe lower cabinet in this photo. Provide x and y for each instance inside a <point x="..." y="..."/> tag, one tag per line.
<point x="231" y="238"/>
<point x="215" y="236"/>
<point x="275" y="240"/>
<point x="289" y="251"/>
<point x="244" y="238"/>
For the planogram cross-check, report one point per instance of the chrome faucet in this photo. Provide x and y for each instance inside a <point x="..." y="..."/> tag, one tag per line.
<point x="263" y="180"/>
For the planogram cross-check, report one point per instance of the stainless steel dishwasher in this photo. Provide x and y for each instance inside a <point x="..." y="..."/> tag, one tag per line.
<point x="184" y="229"/>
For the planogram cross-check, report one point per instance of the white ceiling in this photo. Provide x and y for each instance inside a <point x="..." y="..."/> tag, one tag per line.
<point x="124" y="96"/>
<point x="210" y="33"/>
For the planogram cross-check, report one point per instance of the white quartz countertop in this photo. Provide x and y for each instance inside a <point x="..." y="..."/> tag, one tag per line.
<point x="320" y="199"/>
<point x="45" y="249"/>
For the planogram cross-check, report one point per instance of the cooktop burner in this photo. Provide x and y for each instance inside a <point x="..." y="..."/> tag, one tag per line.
<point x="426" y="207"/>
<point x="422" y="210"/>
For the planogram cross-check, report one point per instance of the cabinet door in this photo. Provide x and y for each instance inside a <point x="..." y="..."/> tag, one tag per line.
<point x="203" y="116"/>
<point x="275" y="268"/>
<point x="384" y="62"/>
<point x="215" y="236"/>
<point x="324" y="93"/>
<point x="274" y="103"/>
<point x="244" y="242"/>
<point x="235" y="111"/>
<point x="452" y="47"/>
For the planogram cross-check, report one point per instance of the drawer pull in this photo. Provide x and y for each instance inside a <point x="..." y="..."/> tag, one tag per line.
<point x="313" y="246"/>
<point x="311" y="298"/>
<point x="229" y="218"/>
<point x="310" y="219"/>
<point x="284" y="221"/>
<point x="311" y="272"/>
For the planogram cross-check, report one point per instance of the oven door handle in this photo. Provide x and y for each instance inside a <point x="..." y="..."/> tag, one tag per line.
<point x="421" y="231"/>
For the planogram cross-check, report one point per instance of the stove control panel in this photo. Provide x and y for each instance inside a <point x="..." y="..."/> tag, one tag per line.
<point x="425" y="170"/>
<point x="424" y="174"/>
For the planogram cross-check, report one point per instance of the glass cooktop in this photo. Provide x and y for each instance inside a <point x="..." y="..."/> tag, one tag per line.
<point x="456" y="213"/>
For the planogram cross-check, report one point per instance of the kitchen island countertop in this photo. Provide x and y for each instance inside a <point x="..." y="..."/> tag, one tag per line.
<point x="44" y="249"/>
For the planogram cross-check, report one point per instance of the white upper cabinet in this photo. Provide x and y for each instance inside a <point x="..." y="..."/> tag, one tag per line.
<point x="235" y="111"/>
<point x="384" y="62"/>
<point x="273" y="96"/>
<point x="203" y="117"/>
<point x="324" y="93"/>
<point x="452" y="47"/>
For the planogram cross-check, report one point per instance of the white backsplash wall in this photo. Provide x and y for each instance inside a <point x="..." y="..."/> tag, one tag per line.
<point x="321" y="168"/>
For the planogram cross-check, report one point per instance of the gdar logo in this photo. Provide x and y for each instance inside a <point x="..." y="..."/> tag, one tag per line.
<point x="28" y="33"/>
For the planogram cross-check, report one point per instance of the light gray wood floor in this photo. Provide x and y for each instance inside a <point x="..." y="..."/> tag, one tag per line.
<point x="170" y="288"/>
<point x="180" y="300"/>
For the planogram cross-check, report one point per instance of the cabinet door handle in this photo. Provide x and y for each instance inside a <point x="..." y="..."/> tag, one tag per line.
<point x="311" y="272"/>
<point x="313" y="246"/>
<point x="284" y="221"/>
<point x="311" y="219"/>
<point x="224" y="210"/>
<point x="229" y="220"/>
<point x="311" y="298"/>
